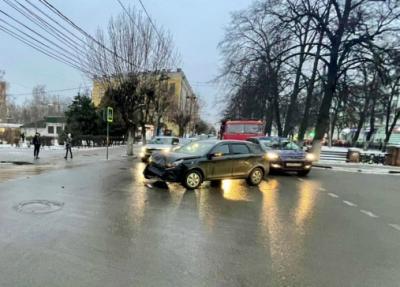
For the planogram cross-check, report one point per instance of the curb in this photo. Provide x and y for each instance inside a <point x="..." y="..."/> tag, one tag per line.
<point x="358" y="170"/>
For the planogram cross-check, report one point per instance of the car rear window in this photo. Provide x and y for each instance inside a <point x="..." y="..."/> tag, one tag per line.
<point x="240" y="149"/>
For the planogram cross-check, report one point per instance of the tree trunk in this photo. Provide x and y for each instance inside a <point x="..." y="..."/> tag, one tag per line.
<point x="181" y="130"/>
<point x="363" y="113"/>
<point x="269" y="119"/>
<point x="143" y="132"/>
<point x="310" y="92"/>
<point x="129" y="144"/>
<point x="323" y="116"/>
<point x="387" y="137"/>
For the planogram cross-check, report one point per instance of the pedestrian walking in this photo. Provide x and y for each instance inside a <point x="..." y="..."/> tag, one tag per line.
<point x="68" y="146"/>
<point x="36" y="145"/>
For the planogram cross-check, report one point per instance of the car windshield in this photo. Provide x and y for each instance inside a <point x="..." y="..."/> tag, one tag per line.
<point x="275" y="143"/>
<point x="288" y="145"/>
<point x="253" y="129"/>
<point x="166" y="141"/>
<point x="196" y="148"/>
<point x="244" y="128"/>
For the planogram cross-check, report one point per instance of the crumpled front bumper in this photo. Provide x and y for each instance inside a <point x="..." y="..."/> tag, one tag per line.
<point x="165" y="174"/>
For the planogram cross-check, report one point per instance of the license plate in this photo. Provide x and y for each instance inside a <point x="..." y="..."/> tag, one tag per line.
<point x="293" y="164"/>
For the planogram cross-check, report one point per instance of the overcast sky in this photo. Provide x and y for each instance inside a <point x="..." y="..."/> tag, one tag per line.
<point x="196" y="25"/>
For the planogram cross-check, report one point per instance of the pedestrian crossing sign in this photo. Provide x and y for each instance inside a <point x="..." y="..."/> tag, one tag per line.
<point x="110" y="114"/>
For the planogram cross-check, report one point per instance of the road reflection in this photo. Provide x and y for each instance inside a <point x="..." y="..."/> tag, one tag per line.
<point x="284" y="215"/>
<point x="235" y="190"/>
<point x="307" y="194"/>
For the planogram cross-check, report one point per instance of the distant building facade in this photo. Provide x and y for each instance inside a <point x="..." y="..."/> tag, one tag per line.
<point x="178" y="87"/>
<point x="50" y="127"/>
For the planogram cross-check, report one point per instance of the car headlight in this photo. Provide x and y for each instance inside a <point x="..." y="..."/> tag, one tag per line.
<point x="150" y="159"/>
<point x="310" y="157"/>
<point x="272" y="156"/>
<point x="175" y="163"/>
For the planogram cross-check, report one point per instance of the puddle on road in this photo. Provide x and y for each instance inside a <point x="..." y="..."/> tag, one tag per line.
<point x="11" y="171"/>
<point x="16" y="162"/>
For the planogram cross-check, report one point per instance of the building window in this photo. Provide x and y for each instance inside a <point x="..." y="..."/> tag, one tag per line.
<point x="59" y="130"/>
<point x="50" y="130"/>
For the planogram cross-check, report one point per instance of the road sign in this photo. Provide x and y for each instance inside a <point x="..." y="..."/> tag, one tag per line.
<point x="110" y="114"/>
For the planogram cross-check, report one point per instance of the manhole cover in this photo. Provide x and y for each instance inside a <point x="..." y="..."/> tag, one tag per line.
<point x="38" y="206"/>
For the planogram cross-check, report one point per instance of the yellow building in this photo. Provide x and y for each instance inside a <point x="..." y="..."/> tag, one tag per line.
<point x="178" y="87"/>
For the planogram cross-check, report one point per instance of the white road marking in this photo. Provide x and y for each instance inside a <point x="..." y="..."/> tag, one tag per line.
<point x="349" y="203"/>
<point x="322" y="189"/>
<point x="395" y="226"/>
<point x="369" y="213"/>
<point x="333" y="195"/>
<point x="300" y="179"/>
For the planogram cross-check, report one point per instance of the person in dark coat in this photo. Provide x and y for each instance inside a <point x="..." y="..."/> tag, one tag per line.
<point x="68" y="146"/>
<point x="36" y="145"/>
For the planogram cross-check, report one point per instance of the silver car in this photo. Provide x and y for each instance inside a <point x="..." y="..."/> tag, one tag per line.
<point x="159" y="143"/>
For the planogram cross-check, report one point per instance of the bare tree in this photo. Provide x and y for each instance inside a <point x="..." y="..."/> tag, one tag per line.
<point x="122" y="57"/>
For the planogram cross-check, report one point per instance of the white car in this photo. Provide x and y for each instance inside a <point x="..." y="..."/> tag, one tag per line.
<point x="159" y="143"/>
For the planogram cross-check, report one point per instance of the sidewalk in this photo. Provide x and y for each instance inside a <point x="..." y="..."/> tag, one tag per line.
<point x="358" y="167"/>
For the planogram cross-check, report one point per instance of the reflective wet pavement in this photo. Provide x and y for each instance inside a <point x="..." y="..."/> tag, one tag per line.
<point x="116" y="230"/>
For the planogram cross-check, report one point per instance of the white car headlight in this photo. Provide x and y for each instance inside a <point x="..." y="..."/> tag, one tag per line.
<point x="310" y="157"/>
<point x="272" y="156"/>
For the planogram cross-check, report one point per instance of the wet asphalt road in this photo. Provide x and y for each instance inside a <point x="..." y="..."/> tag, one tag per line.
<point x="330" y="229"/>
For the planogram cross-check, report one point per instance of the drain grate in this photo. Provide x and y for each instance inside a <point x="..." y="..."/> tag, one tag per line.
<point x="38" y="206"/>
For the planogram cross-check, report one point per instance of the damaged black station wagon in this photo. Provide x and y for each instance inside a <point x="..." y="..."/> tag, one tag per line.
<point x="209" y="160"/>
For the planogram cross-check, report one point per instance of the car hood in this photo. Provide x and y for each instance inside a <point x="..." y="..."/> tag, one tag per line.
<point x="161" y="158"/>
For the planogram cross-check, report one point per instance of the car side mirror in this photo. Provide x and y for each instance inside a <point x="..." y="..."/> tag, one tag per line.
<point x="215" y="155"/>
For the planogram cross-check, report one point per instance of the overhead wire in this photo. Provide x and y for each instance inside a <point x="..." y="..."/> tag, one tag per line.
<point x="43" y="24"/>
<point x="83" y="32"/>
<point x="71" y="56"/>
<point x="52" y="91"/>
<point x="151" y="21"/>
<point x="40" y="49"/>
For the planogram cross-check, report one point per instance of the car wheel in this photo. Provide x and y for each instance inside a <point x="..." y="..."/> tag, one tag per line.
<point x="192" y="179"/>
<point x="144" y="160"/>
<point x="255" y="176"/>
<point x="303" y="172"/>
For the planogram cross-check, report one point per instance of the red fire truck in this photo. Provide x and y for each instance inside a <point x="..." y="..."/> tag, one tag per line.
<point x="241" y="129"/>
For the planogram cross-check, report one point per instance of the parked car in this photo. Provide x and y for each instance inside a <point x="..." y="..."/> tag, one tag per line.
<point x="209" y="160"/>
<point x="283" y="154"/>
<point x="159" y="143"/>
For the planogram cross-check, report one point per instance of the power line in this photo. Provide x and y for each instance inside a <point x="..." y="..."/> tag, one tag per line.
<point x="56" y="22"/>
<point x="51" y="91"/>
<point x="40" y="49"/>
<point x="46" y="26"/>
<point x="69" y="21"/>
<point x="71" y="56"/>
<point x="151" y="21"/>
